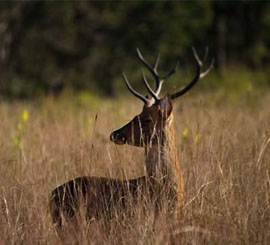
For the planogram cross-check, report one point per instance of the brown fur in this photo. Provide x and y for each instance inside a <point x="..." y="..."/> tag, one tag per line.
<point x="162" y="163"/>
<point x="96" y="195"/>
<point x="153" y="130"/>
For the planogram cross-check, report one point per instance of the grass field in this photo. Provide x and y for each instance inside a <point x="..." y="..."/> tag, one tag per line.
<point x="225" y="153"/>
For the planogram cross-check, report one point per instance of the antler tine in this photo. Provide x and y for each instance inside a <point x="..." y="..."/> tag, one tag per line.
<point x="208" y="69"/>
<point x="174" y="69"/>
<point x="160" y="83"/>
<point x="136" y="94"/>
<point x="148" y="87"/>
<point x="197" y="77"/>
<point x="154" y="72"/>
<point x="199" y="62"/>
<point x="211" y="65"/>
<point x="156" y="63"/>
<point x="206" y="54"/>
<point x="150" y="68"/>
<point x="159" y="87"/>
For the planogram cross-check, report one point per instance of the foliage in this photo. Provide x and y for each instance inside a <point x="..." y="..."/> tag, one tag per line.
<point x="48" y="46"/>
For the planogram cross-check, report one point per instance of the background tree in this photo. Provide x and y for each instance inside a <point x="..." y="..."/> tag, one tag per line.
<point x="47" y="46"/>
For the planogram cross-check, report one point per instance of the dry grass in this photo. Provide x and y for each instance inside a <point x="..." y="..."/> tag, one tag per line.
<point x="225" y="152"/>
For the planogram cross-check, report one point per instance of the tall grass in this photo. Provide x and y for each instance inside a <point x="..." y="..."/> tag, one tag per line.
<point x="225" y="153"/>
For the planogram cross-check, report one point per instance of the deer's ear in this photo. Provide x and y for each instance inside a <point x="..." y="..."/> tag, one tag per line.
<point x="166" y="106"/>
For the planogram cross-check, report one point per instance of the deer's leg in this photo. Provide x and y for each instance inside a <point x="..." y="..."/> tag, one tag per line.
<point x="55" y="213"/>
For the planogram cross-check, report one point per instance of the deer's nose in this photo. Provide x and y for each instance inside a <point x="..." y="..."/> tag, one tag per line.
<point x="112" y="136"/>
<point x="118" y="138"/>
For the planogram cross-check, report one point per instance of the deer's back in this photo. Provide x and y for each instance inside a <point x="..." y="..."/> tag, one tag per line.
<point x="98" y="195"/>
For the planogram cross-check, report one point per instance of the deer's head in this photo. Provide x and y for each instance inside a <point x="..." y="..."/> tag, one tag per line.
<point x="147" y="128"/>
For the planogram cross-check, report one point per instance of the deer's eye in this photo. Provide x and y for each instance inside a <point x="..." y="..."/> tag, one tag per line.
<point x="148" y="120"/>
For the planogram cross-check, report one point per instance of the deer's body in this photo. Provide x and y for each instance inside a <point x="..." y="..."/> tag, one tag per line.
<point x="151" y="129"/>
<point x="96" y="195"/>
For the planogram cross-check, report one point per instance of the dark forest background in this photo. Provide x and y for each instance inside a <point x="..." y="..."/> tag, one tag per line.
<point x="46" y="47"/>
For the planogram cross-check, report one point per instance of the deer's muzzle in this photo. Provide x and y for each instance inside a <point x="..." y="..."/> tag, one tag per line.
<point x="117" y="138"/>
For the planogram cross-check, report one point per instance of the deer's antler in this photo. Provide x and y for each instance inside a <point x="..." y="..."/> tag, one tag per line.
<point x="160" y="79"/>
<point x="198" y="75"/>
<point x="154" y="72"/>
<point x="147" y="102"/>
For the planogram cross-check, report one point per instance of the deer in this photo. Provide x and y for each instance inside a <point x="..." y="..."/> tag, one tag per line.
<point x="153" y="130"/>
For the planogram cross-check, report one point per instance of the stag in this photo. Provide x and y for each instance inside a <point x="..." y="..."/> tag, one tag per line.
<point x="152" y="129"/>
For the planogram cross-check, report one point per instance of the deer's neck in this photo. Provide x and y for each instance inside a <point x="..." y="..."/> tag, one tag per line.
<point x="161" y="155"/>
<point x="162" y="163"/>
